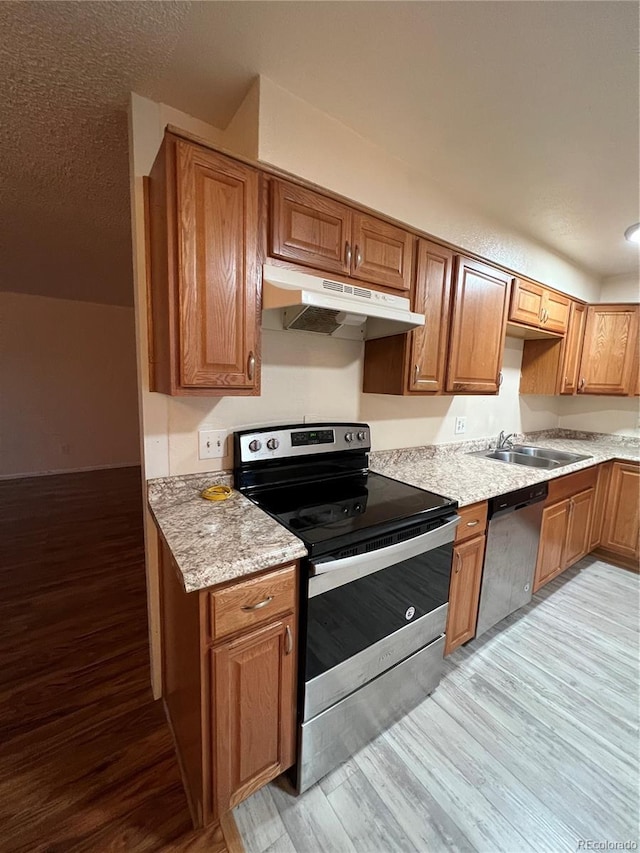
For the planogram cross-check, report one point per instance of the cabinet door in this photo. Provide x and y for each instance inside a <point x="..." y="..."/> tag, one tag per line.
<point x="382" y="253"/>
<point x="578" y="527"/>
<point x="464" y="592"/>
<point x="217" y="203"/>
<point x="553" y="533"/>
<point x="570" y="362"/>
<point x="608" y="354"/>
<point x="526" y="302"/>
<point x="555" y="311"/>
<point x="599" y="500"/>
<point x="620" y="528"/>
<point x="310" y="229"/>
<point x="477" y="328"/>
<point x="433" y="299"/>
<point x="253" y="718"/>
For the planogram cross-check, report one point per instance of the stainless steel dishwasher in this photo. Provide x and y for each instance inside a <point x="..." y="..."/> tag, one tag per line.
<point x="510" y="559"/>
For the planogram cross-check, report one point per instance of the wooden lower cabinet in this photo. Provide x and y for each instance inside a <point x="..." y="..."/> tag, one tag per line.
<point x="253" y="721"/>
<point x="553" y="534"/>
<point x="231" y="702"/>
<point x="464" y="592"/>
<point x="599" y="500"/>
<point x="565" y="535"/>
<point x="620" y="528"/>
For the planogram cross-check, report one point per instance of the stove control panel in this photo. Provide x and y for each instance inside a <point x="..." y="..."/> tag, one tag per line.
<point x="302" y="440"/>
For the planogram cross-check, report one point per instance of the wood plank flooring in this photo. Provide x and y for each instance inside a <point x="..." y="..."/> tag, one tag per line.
<point x="530" y="743"/>
<point x="86" y="758"/>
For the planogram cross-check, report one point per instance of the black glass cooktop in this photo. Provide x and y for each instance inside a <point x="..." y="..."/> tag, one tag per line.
<point x="349" y="508"/>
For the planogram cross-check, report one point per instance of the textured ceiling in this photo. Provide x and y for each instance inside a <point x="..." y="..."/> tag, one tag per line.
<point x="526" y="110"/>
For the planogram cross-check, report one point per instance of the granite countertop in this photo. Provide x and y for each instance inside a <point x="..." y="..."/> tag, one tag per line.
<point x="449" y="470"/>
<point x="217" y="541"/>
<point x="214" y="542"/>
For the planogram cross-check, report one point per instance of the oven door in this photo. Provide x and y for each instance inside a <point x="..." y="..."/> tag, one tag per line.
<point x="367" y="613"/>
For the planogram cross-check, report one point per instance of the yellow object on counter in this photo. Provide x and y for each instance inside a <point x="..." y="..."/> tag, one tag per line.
<point x="216" y="493"/>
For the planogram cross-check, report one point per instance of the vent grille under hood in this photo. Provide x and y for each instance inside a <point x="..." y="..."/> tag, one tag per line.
<point x="308" y="303"/>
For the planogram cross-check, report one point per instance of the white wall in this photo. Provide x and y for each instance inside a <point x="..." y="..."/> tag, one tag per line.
<point x="67" y="385"/>
<point x="311" y="144"/>
<point x="620" y="288"/>
<point x="607" y="414"/>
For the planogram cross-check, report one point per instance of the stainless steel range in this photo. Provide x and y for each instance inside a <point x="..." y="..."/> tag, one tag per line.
<point x="374" y="588"/>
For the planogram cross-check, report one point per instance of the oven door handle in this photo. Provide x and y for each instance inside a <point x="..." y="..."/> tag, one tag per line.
<point x="334" y="573"/>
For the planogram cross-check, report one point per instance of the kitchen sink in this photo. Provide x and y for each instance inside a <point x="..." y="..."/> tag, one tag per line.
<point x="532" y="457"/>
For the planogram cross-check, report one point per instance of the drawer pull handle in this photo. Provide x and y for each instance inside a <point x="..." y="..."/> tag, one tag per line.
<point x="263" y="603"/>
<point x="288" y="641"/>
<point x="416" y="373"/>
<point x="472" y="523"/>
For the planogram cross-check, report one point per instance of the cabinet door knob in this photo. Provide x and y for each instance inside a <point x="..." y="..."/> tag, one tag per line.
<point x="347" y="254"/>
<point x="251" y="365"/>
<point x="288" y="641"/>
<point x="358" y="257"/>
<point x="260" y="604"/>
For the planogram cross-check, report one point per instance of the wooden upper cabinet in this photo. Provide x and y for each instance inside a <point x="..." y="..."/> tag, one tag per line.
<point x="382" y="253"/>
<point x="538" y="306"/>
<point x="620" y="529"/>
<point x="556" y="308"/>
<point x="609" y="351"/>
<point x="428" y="343"/>
<point x="526" y="302"/>
<point x="205" y="272"/>
<point x="478" y="328"/>
<point x="572" y="349"/>
<point x="309" y="228"/>
<point x="416" y="363"/>
<point x="254" y="719"/>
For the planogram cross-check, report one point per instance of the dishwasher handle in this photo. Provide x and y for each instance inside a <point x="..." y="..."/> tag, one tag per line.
<point x="521" y="498"/>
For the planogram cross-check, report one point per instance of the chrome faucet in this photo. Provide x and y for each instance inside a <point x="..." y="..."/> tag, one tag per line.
<point x="505" y="440"/>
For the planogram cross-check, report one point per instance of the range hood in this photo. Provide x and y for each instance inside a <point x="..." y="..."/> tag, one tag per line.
<point x="308" y="303"/>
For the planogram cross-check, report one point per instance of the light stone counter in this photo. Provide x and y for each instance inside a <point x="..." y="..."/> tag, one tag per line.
<point x="217" y="541"/>
<point x="449" y="470"/>
<point x="214" y="542"/>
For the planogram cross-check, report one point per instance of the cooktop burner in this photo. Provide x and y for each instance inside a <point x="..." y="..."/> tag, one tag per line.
<point x="315" y="480"/>
<point x="354" y="507"/>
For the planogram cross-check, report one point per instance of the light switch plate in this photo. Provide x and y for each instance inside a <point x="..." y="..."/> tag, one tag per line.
<point x="461" y="426"/>
<point x="211" y="443"/>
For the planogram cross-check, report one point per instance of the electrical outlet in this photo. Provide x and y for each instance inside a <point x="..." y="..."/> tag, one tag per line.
<point x="211" y="443"/>
<point x="461" y="426"/>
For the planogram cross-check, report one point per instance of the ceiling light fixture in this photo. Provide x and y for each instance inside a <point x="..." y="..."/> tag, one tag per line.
<point x="632" y="234"/>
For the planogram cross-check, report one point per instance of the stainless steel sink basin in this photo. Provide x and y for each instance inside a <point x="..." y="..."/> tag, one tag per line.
<point x="532" y="457"/>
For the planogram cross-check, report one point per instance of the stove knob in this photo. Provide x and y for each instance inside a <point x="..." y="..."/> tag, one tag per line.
<point x="362" y="435"/>
<point x="273" y="444"/>
<point x="348" y="437"/>
<point x="255" y="445"/>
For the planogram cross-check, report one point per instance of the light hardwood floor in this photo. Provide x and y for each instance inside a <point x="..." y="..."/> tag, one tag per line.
<point x="530" y="743"/>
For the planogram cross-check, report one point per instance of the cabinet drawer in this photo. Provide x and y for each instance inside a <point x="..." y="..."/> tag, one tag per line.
<point x="565" y="487"/>
<point x="252" y="602"/>
<point x="473" y="521"/>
